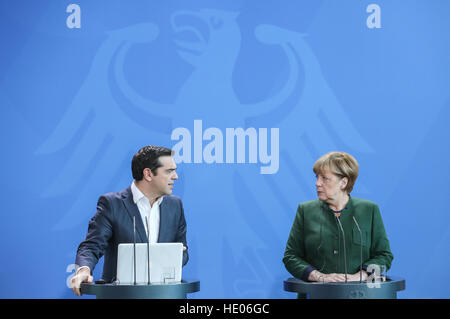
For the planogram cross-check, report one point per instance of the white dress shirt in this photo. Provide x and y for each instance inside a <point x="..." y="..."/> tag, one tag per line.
<point x="151" y="212"/>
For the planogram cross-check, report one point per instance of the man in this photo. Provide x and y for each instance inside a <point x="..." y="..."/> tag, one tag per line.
<point x="154" y="173"/>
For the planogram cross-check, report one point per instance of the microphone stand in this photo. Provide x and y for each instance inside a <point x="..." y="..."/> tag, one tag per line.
<point x="148" y="252"/>
<point x="134" y="248"/>
<point x="343" y="236"/>
<point x="360" y="252"/>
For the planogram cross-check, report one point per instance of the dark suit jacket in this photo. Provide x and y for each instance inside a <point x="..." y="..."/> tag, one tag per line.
<point x="113" y="224"/>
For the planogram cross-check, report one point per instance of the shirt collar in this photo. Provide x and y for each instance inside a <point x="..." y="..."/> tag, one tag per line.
<point x="138" y="195"/>
<point x="346" y="208"/>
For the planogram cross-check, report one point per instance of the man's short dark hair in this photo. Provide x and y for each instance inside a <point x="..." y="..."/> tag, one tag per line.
<point x="148" y="157"/>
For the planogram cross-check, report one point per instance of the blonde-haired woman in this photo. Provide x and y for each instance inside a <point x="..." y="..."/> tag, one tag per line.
<point x="315" y="247"/>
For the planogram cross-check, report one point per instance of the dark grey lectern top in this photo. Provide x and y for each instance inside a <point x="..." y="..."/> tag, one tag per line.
<point x="154" y="291"/>
<point x="349" y="290"/>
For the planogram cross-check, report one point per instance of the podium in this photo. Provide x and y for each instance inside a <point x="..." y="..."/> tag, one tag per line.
<point x="350" y="290"/>
<point x="154" y="291"/>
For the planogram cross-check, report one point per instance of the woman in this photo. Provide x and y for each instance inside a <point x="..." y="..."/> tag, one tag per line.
<point x="315" y="247"/>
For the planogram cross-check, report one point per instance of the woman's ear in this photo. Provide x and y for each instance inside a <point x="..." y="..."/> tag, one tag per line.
<point x="344" y="182"/>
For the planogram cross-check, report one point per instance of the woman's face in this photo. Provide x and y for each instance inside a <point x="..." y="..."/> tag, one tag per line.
<point x="329" y="186"/>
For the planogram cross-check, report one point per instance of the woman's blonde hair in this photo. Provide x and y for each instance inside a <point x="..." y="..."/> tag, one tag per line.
<point x="341" y="164"/>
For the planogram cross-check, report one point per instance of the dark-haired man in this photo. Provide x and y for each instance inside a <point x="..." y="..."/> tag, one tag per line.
<point x="149" y="196"/>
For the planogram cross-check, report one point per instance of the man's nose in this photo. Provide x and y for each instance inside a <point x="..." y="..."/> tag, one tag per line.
<point x="175" y="176"/>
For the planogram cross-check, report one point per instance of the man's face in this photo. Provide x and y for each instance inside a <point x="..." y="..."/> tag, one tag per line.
<point x="328" y="186"/>
<point x="165" y="176"/>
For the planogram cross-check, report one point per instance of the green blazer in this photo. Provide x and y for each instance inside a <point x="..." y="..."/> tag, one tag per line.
<point x="315" y="240"/>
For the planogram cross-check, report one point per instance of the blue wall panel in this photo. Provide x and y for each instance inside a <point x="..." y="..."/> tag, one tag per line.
<point x="76" y="103"/>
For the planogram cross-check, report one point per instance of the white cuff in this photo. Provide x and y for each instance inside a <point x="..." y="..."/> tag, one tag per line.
<point x="76" y="273"/>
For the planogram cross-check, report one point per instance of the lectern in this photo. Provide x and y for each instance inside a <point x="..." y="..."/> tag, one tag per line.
<point x="350" y="290"/>
<point x="154" y="291"/>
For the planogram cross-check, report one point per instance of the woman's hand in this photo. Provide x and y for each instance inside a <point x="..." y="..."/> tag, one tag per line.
<point x="357" y="277"/>
<point x="319" y="277"/>
<point x="335" y="278"/>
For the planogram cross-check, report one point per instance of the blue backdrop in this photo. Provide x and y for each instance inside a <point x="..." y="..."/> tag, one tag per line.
<point x="83" y="87"/>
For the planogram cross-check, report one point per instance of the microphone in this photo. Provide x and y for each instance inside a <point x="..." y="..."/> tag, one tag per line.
<point x="134" y="248"/>
<point x="345" y="248"/>
<point x="360" y="252"/>
<point x="148" y="252"/>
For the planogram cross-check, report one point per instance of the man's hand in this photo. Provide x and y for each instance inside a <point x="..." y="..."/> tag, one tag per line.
<point x="83" y="275"/>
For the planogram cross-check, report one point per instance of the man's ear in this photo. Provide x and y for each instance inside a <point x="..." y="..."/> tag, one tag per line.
<point x="148" y="174"/>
